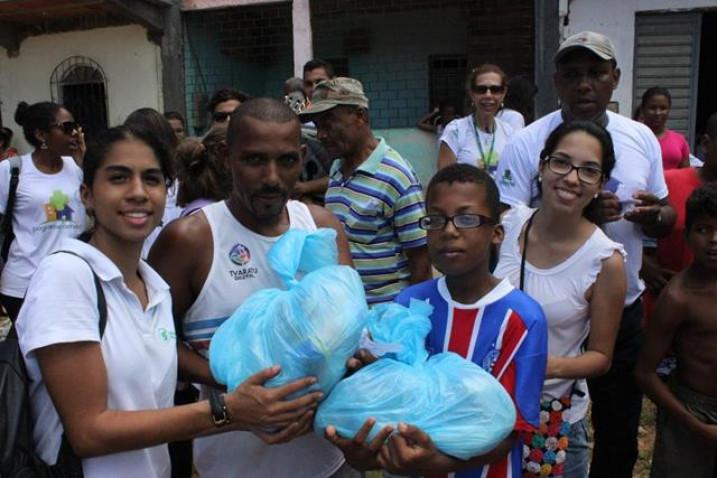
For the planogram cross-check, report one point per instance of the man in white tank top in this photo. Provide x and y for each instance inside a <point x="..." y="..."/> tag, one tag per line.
<point x="214" y="259"/>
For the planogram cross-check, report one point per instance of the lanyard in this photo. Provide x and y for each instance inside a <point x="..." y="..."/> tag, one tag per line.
<point x="486" y="160"/>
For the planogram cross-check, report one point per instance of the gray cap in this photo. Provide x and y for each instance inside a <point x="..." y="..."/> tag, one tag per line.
<point x="334" y="92"/>
<point x="596" y="43"/>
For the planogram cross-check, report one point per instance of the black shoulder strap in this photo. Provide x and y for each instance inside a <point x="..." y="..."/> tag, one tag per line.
<point x="101" y="301"/>
<point x="6" y="225"/>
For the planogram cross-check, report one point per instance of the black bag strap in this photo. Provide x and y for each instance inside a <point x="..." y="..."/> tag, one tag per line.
<point x="6" y="226"/>
<point x="101" y="301"/>
<point x="525" y="249"/>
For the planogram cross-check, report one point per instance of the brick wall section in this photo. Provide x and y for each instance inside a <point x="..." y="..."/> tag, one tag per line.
<point x="249" y="48"/>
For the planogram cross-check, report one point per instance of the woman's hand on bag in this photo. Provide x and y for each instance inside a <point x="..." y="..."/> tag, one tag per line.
<point x="254" y="407"/>
<point x="412" y="452"/>
<point x="358" y="453"/>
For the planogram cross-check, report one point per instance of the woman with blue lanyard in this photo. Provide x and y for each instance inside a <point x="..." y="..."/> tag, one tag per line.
<point x="479" y="138"/>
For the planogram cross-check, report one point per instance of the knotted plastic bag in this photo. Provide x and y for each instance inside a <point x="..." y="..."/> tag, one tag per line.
<point x="311" y="328"/>
<point x="464" y="410"/>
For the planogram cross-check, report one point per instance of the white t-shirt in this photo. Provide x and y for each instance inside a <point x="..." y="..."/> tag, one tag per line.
<point x="47" y="209"/>
<point x="460" y="136"/>
<point x="138" y="348"/>
<point x="512" y="117"/>
<point x="560" y="291"/>
<point x="638" y="166"/>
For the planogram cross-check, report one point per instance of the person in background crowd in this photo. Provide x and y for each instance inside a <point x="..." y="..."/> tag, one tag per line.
<point x="6" y="150"/>
<point x="633" y="203"/>
<point x="316" y="71"/>
<point x="47" y="202"/>
<point x="216" y="258"/>
<point x="126" y="372"/>
<point x="373" y="191"/>
<point x="684" y="321"/>
<point x="480" y="137"/>
<point x="152" y="120"/>
<point x="558" y="256"/>
<point x="436" y="120"/>
<point x="178" y="124"/>
<point x="314" y="179"/>
<point x="517" y="109"/>
<point x="672" y="254"/>
<point x="655" y="109"/>
<point x="223" y="104"/>
<point x="202" y="171"/>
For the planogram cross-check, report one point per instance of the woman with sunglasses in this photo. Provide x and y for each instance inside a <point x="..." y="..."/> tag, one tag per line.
<point x="479" y="138"/>
<point x="560" y="257"/>
<point x="47" y="204"/>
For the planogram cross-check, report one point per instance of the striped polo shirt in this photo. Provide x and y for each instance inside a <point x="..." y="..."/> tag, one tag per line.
<point x="379" y="205"/>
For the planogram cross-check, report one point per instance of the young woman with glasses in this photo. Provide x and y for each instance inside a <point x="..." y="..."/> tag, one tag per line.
<point x="559" y="256"/>
<point x="479" y="138"/>
<point x="47" y="206"/>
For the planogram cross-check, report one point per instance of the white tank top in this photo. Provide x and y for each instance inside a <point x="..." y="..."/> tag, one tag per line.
<point x="239" y="268"/>
<point x="560" y="291"/>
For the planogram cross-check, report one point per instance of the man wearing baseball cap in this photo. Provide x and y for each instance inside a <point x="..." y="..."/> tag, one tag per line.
<point x="373" y="191"/>
<point x="633" y="203"/>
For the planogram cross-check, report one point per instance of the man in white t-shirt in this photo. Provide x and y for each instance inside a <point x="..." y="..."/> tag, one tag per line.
<point x="633" y="204"/>
<point x="216" y="258"/>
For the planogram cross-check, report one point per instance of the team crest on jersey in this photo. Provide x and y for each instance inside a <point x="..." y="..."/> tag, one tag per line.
<point x="240" y="255"/>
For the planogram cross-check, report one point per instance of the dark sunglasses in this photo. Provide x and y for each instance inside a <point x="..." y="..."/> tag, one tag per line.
<point x="483" y="89"/>
<point x="68" y="127"/>
<point x="220" y="116"/>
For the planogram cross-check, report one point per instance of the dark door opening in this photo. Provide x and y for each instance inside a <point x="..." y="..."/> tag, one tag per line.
<point x="706" y="91"/>
<point x="86" y="102"/>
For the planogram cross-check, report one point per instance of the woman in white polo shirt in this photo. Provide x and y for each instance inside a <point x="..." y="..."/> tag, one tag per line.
<point x="479" y="138"/>
<point x="47" y="202"/>
<point x="111" y="393"/>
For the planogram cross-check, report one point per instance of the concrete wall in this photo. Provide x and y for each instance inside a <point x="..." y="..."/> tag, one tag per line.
<point x="394" y="67"/>
<point x="131" y="62"/>
<point x="616" y="19"/>
<point x="249" y="48"/>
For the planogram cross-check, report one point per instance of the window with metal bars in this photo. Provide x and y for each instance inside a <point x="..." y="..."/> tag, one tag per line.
<point x="80" y="85"/>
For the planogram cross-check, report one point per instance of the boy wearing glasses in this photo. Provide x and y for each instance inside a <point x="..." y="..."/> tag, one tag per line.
<point x="477" y="316"/>
<point x="633" y="204"/>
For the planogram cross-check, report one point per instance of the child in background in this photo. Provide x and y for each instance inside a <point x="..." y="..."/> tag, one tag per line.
<point x="686" y="440"/>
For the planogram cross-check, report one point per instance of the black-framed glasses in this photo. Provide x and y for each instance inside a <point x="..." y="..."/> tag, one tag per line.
<point x="221" y="116"/>
<point x="483" y="89"/>
<point x="67" y="127"/>
<point x="433" y="222"/>
<point x="562" y="166"/>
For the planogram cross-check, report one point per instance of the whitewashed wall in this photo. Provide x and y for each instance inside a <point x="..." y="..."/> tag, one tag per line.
<point x="130" y="61"/>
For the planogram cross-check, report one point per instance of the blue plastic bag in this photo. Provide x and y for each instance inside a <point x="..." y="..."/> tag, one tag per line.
<point x="463" y="408"/>
<point x="310" y="329"/>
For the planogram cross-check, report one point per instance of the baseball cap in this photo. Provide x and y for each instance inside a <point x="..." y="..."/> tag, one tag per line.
<point x="596" y="43"/>
<point x="334" y="92"/>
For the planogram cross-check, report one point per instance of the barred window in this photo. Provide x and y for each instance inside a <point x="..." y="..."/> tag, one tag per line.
<point x="80" y="85"/>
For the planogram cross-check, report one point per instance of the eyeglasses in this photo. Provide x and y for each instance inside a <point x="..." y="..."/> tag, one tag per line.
<point x="483" y="89"/>
<point x="68" y="127"/>
<point x="221" y="116"/>
<point x="562" y="166"/>
<point x="434" y="222"/>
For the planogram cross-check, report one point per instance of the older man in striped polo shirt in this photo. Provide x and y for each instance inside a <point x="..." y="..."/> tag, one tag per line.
<point x="373" y="191"/>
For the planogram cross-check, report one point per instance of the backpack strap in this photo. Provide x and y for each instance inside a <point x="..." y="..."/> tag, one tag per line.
<point x="101" y="301"/>
<point x="6" y="225"/>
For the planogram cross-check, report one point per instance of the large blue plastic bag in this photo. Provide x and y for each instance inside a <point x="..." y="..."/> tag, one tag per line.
<point x="463" y="408"/>
<point x="310" y="329"/>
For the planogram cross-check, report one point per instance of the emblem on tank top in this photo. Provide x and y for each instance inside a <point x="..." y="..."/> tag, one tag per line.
<point x="240" y="255"/>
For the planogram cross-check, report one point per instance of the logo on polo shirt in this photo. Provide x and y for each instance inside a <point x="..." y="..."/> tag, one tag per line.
<point x="239" y="254"/>
<point x="507" y="178"/>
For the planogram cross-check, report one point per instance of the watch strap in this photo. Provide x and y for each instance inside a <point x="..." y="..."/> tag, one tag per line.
<point x="220" y="413"/>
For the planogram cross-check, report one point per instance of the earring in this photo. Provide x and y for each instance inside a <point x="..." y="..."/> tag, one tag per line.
<point x="43" y="145"/>
<point x="540" y="179"/>
<point x="596" y="195"/>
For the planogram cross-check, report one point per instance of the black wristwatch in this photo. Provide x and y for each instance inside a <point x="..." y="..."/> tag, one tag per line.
<point x="220" y="414"/>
